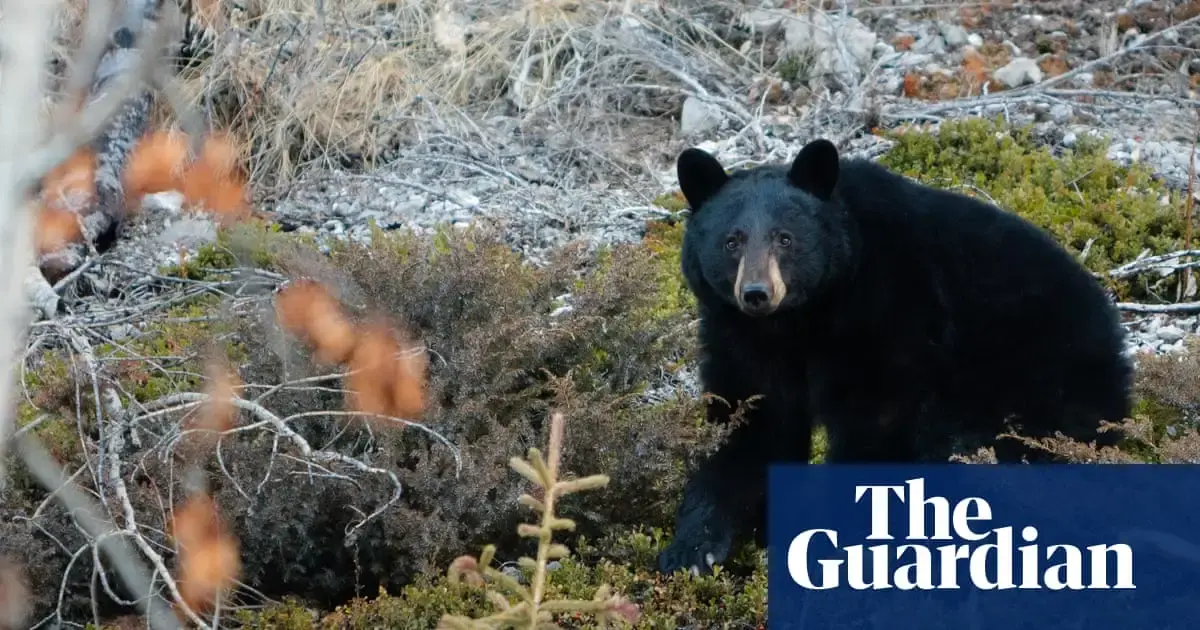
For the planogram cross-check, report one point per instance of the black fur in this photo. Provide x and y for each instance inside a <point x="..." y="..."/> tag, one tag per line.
<point x="916" y="321"/>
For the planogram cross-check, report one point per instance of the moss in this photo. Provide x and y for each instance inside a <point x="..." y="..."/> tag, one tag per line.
<point x="1079" y="197"/>
<point x="672" y="201"/>
<point x="256" y="242"/>
<point x="48" y="398"/>
<point x="820" y="445"/>
<point x="178" y="342"/>
<point x="663" y="240"/>
<point x="624" y="560"/>
<point x="209" y="258"/>
<point x="1159" y="420"/>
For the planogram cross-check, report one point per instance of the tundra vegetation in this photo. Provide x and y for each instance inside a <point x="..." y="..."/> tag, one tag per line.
<point x="420" y="429"/>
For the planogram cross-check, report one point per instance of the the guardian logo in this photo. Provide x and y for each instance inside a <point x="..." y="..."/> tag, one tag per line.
<point x="983" y="555"/>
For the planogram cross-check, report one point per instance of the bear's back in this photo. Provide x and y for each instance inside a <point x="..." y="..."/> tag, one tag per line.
<point x="1004" y="282"/>
<point x="991" y="253"/>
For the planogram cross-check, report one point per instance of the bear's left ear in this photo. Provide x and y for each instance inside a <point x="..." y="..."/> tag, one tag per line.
<point x="700" y="176"/>
<point x="815" y="169"/>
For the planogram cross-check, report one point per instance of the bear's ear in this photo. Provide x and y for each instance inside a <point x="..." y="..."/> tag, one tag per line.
<point x="815" y="169"/>
<point x="700" y="176"/>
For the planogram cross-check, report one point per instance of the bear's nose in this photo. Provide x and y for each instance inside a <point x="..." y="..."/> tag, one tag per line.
<point x="755" y="295"/>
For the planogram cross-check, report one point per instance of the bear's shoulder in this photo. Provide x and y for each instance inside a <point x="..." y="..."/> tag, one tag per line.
<point x="879" y="196"/>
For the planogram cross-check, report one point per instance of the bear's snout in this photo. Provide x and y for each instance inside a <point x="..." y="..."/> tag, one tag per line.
<point x="756" y="297"/>
<point x="759" y="287"/>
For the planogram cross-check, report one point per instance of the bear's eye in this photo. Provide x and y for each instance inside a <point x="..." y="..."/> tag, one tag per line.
<point x="785" y="240"/>
<point x="731" y="243"/>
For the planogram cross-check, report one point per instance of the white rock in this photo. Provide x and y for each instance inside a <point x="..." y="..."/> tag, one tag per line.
<point x="933" y="45"/>
<point x="763" y="20"/>
<point x="699" y="117"/>
<point x="1170" y="333"/>
<point x="954" y="35"/>
<point x="190" y="232"/>
<point x="1018" y="72"/>
<point x="1061" y="113"/>
<point x="839" y="45"/>
<point x="464" y="198"/>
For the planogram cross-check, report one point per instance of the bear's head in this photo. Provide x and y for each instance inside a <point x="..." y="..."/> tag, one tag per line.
<point x="764" y="239"/>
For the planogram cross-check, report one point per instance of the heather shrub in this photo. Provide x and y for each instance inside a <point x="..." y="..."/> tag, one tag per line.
<point x="504" y="352"/>
<point x="597" y="337"/>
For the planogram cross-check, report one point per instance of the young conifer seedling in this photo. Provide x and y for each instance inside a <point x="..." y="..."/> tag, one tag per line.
<point x="531" y="610"/>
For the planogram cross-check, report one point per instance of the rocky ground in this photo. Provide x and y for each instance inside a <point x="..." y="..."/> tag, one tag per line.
<point x="573" y="169"/>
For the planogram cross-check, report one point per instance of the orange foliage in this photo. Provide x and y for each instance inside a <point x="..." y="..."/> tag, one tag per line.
<point x="1054" y="65"/>
<point x="975" y="66"/>
<point x="66" y="190"/>
<point x="387" y="371"/>
<point x="71" y="184"/>
<point x="54" y="229"/>
<point x="208" y="555"/>
<point x="220" y="413"/>
<point x="14" y="596"/>
<point x="308" y="311"/>
<point x="156" y="164"/>
<point x="912" y="84"/>
<point x="386" y="376"/>
<point x="212" y="182"/>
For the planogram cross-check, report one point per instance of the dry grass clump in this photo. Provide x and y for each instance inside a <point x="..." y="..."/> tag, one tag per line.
<point x="349" y="84"/>
<point x="1173" y="379"/>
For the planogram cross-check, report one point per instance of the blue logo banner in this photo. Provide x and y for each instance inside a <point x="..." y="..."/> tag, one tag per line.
<point x="982" y="547"/>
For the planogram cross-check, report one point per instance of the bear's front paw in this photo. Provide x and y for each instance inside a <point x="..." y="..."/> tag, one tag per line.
<point x="697" y="551"/>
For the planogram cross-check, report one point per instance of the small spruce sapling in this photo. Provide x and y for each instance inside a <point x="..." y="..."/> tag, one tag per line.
<point x="532" y="611"/>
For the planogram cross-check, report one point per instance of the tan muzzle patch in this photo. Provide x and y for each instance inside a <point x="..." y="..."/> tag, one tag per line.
<point x="775" y="280"/>
<point x="766" y="273"/>
<point x="737" y="284"/>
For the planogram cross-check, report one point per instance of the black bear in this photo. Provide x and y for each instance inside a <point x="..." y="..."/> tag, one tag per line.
<point x="903" y="318"/>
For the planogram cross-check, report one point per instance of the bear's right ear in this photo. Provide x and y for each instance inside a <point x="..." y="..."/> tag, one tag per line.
<point x="700" y="176"/>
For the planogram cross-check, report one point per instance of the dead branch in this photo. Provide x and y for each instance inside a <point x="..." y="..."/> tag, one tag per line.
<point x="42" y="466"/>
<point x="1174" y="309"/>
<point x="1161" y="263"/>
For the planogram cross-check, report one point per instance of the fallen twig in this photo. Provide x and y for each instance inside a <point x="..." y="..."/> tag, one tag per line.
<point x="1176" y="309"/>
